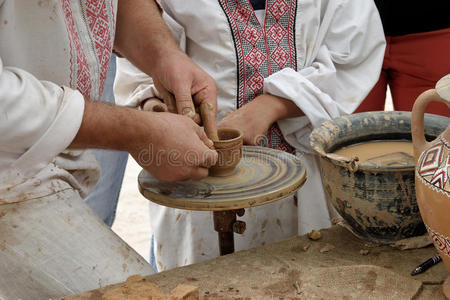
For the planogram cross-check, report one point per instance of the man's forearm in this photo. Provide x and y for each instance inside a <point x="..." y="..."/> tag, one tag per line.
<point x="169" y="146"/>
<point x="141" y="35"/>
<point x="107" y="127"/>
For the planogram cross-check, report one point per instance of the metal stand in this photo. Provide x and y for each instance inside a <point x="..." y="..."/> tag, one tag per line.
<point x="226" y="225"/>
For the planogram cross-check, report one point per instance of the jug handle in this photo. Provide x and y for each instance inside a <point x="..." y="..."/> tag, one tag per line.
<point x="440" y="94"/>
<point x="417" y="119"/>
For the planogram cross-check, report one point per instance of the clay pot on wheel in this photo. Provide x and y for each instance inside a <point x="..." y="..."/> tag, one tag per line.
<point x="229" y="148"/>
<point x="432" y="178"/>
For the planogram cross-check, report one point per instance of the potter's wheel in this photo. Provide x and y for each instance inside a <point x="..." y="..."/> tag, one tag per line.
<point x="262" y="176"/>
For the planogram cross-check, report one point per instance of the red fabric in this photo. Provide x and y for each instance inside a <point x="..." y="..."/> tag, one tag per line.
<point x="412" y="64"/>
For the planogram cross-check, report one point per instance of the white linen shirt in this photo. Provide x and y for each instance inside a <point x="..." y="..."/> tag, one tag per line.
<point x="52" y="55"/>
<point x="338" y="47"/>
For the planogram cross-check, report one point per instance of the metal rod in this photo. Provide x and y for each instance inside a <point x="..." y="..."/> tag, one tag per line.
<point x="226" y="243"/>
<point x="223" y="224"/>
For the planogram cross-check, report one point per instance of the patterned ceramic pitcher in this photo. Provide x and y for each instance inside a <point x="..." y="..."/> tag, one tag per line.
<point x="432" y="178"/>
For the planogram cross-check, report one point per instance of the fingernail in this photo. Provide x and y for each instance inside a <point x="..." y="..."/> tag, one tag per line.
<point x="187" y="111"/>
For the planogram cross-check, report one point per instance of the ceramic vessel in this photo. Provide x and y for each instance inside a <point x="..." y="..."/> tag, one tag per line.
<point x="433" y="173"/>
<point x="378" y="203"/>
<point x="229" y="148"/>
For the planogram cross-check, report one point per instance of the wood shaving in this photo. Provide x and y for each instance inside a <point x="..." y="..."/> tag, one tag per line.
<point x="297" y="288"/>
<point x="363" y="251"/>
<point x="336" y="221"/>
<point x="315" y="235"/>
<point x="327" y="248"/>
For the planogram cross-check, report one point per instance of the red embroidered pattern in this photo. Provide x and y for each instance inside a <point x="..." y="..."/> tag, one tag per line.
<point x="278" y="9"/>
<point x="277" y="33"/>
<point x="255" y="58"/>
<point x="262" y="50"/>
<point x="256" y="82"/>
<point x="99" y="25"/>
<point x="280" y="56"/>
<point x="251" y="34"/>
<point x="441" y="242"/>
<point x="242" y="13"/>
<point x="78" y="59"/>
<point x="99" y="22"/>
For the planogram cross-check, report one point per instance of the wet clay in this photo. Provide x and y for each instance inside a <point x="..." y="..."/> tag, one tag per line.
<point x="380" y="153"/>
<point x="378" y="203"/>
<point x="229" y="147"/>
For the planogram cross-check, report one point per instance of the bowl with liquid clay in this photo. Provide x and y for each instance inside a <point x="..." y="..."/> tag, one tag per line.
<point x="367" y="169"/>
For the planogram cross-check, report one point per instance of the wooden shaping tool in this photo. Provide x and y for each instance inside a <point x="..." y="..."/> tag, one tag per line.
<point x="207" y="116"/>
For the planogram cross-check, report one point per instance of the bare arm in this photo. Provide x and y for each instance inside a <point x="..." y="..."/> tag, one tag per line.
<point x="109" y="127"/>
<point x="171" y="147"/>
<point x="142" y="35"/>
<point x="144" y="39"/>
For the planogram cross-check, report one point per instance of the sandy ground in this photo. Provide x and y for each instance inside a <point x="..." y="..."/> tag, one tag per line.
<point x="132" y="221"/>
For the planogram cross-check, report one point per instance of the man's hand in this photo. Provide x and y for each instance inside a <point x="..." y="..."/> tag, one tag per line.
<point x="144" y="39"/>
<point x="171" y="147"/>
<point x="255" y="118"/>
<point x="176" y="74"/>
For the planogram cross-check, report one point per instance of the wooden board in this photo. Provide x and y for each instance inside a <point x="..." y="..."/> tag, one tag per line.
<point x="296" y="268"/>
<point x="263" y="176"/>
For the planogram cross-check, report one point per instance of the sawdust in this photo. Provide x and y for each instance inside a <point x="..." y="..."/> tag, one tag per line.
<point x="136" y="287"/>
<point x="139" y="288"/>
<point x="285" y="286"/>
<point x="357" y="282"/>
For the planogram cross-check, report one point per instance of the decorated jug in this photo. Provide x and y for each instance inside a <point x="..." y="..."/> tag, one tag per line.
<point x="432" y="174"/>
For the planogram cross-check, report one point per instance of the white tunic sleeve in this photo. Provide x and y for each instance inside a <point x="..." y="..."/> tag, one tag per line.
<point x="38" y="120"/>
<point x="131" y="85"/>
<point x="339" y="62"/>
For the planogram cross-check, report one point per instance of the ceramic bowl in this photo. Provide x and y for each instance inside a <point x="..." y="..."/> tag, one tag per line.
<point x="378" y="203"/>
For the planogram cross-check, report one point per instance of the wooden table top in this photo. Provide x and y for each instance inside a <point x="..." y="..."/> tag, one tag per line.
<point x="295" y="268"/>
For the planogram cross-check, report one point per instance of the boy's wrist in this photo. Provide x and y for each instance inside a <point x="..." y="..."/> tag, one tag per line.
<point x="279" y="108"/>
<point x="270" y="106"/>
